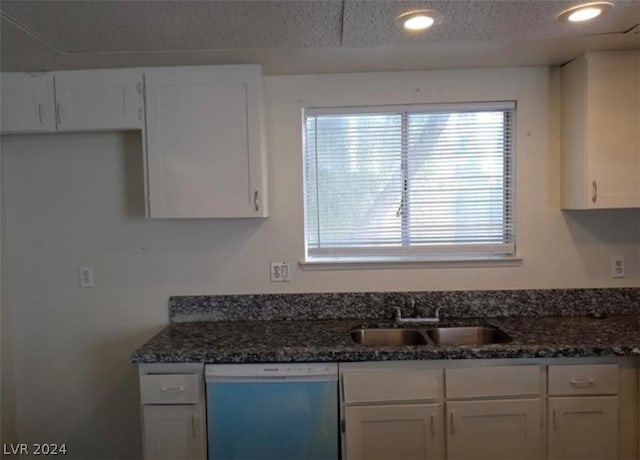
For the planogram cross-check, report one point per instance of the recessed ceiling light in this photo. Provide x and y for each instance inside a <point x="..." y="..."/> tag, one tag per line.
<point x="584" y="12"/>
<point x="418" y="20"/>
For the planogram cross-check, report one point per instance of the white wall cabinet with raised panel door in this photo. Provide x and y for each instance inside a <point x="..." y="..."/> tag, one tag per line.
<point x="583" y="412"/>
<point x="392" y="410"/>
<point x="205" y="152"/>
<point x="27" y="103"/>
<point x="94" y="100"/>
<point x="173" y="411"/>
<point x="79" y="100"/>
<point x="600" y="140"/>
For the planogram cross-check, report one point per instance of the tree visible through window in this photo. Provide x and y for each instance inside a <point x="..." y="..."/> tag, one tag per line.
<point x="409" y="181"/>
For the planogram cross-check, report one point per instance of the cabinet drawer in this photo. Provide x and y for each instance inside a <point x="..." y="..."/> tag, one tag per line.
<point x="170" y="388"/>
<point x="396" y="385"/>
<point x="583" y="380"/>
<point x="493" y="381"/>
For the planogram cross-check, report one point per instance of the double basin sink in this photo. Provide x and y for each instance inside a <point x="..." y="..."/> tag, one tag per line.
<point x="436" y="335"/>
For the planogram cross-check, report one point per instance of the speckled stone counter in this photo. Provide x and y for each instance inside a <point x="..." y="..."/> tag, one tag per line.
<point x="329" y="340"/>
<point x="375" y="305"/>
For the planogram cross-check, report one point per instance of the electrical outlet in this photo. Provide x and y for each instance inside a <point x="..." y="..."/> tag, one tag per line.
<point x="280" y="271"/>
<point x="86" y="277"/>
<point x="618" y="269"/>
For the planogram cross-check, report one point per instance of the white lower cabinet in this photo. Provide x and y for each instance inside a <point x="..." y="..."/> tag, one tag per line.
<point x="579" y="409"/>
<point x="529" y="409"/>
<point x="173" y="432"/>
<point x="583" y="428"/>
<point x="400" y="432"/>
<point x="583" y="412"/>
<point x="173" y="411"/>
<point x="494" y="430"/>
<point x="392" y="411"/>
<point x="494" y="412"/>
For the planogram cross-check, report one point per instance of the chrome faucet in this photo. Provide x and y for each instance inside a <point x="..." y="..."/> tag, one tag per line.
<point x="431" y="319"/>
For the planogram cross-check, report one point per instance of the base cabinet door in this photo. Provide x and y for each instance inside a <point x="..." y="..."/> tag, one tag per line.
<point x="583" y="428"/>
<point x="399" y="432"/>
<point x="494" y="430"/>
<point x="173" y="432"/>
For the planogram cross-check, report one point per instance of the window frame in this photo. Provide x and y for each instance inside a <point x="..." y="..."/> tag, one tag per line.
<point x="474" y="254"/>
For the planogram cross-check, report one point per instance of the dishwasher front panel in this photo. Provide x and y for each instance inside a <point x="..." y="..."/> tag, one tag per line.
<point x="273" y="420"/>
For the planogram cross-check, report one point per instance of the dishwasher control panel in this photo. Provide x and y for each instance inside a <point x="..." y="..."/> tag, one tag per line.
<point x="276" y="370"/>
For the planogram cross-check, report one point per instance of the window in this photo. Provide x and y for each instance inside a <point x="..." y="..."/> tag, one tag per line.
<point x="409" y="182"/>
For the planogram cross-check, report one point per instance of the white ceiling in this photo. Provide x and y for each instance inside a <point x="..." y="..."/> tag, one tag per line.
<point x="301" y="36"/>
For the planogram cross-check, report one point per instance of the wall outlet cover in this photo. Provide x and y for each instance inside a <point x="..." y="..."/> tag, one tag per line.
<point x="280" y="271"/>
<point x="618" y="269"/>
<point x="86" y="277"/>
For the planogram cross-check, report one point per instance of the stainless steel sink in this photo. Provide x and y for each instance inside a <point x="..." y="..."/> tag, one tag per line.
<point x="467" y="335"/>
<point x="388" y="337"/>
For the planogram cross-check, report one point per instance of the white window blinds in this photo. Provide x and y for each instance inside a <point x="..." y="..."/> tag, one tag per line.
<point x="409" y="181"/>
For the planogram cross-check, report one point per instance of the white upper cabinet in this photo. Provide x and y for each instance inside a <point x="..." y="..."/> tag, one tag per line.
<point x="79" y="100"/>
<point x="204" y="142"/>
<point x="203" y="132"/>
<point x="27" y="103"/>
<point x="99" y="100"/>
<point x="600" y="131"/>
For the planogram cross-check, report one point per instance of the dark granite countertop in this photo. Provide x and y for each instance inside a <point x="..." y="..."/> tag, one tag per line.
<point x="329" y="340"/>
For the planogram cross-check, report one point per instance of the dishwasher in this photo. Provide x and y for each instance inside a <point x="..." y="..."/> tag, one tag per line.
<point x="272" y="411"/>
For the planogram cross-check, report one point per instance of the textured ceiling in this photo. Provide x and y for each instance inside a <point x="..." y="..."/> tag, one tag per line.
<point x="368" y="23"/>
<point x="117" y="26"/>
<point x="299" y="36"/>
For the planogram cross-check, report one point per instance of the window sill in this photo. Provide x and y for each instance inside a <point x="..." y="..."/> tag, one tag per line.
<point x="362" y="263"/>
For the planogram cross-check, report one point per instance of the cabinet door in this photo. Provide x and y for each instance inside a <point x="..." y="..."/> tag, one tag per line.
<point x="108" y="99"/>
<point x="205" y="155"/>
<point x="27" y="103"/>
<point x="173" y="432"/>
<point x="494" y="430"/>
<point x="600" y="141"/>
<point x="613" y="142"/>
<point x="583" y="428"/>
<point x="399" y="432"/>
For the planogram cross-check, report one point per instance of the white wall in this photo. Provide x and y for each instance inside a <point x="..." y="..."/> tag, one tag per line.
<point x="77" y="199"/>
<point x="7" y="386"/>
<point x="560" y="250"/>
